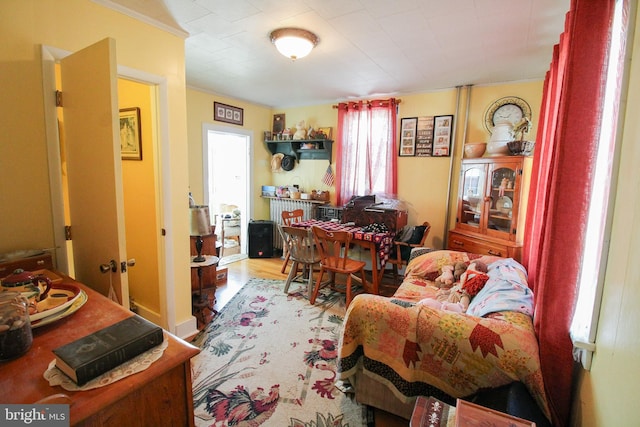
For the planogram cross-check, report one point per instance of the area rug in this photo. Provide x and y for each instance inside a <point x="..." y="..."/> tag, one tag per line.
<point x="268" y="358"/>
<point x="228" y="259"/>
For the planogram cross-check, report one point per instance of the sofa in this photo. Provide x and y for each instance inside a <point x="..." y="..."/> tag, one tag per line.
<point x="393" y="349"/>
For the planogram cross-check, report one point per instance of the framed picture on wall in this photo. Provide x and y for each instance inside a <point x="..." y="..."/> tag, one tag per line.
<point x="408" y="128"/>
<point x="130" y="135"/>
<point x="326" y="132"/>
<point x="228" y="113"/>
<point x="442" y="126"/>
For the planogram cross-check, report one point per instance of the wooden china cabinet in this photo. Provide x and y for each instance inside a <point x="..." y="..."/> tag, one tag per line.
<point x="492" y="198"/>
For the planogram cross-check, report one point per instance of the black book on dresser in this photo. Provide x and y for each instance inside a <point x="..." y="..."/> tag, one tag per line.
<point x="91" y="356"/>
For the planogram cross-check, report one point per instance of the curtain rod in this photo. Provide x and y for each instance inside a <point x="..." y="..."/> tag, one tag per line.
<point x="398" y="101"/>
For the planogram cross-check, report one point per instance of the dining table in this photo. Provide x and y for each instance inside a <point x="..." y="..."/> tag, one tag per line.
<point x="378" y="244"/>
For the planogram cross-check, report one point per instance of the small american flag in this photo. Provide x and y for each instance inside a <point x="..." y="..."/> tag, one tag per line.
<point x="328" y="179"/>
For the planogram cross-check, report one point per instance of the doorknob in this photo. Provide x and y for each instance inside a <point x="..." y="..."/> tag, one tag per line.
<point x="130" y="262"/>
<point x="104" y="268"/>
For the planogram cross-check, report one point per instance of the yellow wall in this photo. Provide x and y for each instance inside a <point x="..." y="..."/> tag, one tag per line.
<point x="422" y="181"/>
<point x="139" y="178"/>
<point x="257" y="118"/>
<point x="307" y="173"/>
<point x="72" y="25"/>
<point x="608" y="394"/>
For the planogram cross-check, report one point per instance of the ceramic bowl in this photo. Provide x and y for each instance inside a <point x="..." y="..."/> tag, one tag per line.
<point x="473" y="150"/>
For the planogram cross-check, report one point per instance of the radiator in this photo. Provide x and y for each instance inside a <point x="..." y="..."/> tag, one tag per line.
<point x="276" y="206"/>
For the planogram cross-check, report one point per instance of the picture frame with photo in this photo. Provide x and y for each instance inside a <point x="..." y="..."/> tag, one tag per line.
<point x="326" y="131"/>
<point x="228" y="113"/>
<point x="408" y="127"/>
<point x="442" y="127"/>
<point x="130" y="134"/>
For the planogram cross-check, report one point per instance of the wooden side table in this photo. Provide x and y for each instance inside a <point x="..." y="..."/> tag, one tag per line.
<point x="199" y="301"/>
<point x="211" y="246"/>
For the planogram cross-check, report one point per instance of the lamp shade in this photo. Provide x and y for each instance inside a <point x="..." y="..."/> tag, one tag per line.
<point x="294" y="43"/>
<point x="200" y="221"/>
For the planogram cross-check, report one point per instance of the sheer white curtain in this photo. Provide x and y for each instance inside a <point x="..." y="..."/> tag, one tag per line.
<point x="366" y="152"/>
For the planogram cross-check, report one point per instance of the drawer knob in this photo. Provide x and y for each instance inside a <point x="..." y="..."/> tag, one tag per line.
<point x="494" y="253"/>
<point x="458" y="242"/>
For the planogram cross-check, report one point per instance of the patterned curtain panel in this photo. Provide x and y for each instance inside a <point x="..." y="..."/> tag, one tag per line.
<point x="366" y="152"/>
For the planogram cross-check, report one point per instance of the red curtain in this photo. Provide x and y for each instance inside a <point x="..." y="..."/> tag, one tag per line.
<point x="565" y="154"/>
<point x="366" y="161"/>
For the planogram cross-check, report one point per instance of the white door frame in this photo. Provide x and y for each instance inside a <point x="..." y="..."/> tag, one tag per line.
<point x="244" y="220"/>
<point x="165" y="245"/>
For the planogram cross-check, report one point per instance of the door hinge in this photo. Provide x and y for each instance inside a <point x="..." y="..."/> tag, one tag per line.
<point x="163" y="232"/>
<point x="67" y="232"/>
<point x="58" y="98"/>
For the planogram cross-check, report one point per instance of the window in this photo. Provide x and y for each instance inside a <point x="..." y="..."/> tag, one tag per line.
<point x="585" y="318"/>
<point x="366" y="149"/>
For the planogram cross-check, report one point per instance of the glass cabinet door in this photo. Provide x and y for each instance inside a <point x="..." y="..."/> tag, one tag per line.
<point x="501" y="211"/>
<point x="472" y="197"/>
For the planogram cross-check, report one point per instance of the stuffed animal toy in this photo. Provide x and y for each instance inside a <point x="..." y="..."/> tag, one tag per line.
<point x="474" y="279"/>
<point x="471" y="282"/>
<point x="301" y="131"/>
<point x="445" y="279"/>
<point x="459" y="268"/>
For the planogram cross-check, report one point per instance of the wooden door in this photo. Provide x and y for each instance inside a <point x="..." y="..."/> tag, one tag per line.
<point x="90" y="116"/>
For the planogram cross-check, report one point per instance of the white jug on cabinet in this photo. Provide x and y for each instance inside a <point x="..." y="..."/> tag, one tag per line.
<point x="501" y="135"/>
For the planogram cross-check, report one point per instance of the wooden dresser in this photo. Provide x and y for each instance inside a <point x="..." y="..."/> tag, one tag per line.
<point x="161" y="395"/>
<point x="33" y="263"/>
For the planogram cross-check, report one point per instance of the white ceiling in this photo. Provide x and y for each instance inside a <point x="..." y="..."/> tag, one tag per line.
<point x="368" y="48"/>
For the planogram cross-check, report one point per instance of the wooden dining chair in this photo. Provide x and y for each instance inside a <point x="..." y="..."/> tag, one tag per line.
<point x="402" y="248"/>
<point x="288" y="218"/>
<point x="333" y="247"/>
<point x="302" y="253"/>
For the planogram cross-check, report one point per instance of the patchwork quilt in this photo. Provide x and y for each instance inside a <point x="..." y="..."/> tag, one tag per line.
<point x="417" y="350"/>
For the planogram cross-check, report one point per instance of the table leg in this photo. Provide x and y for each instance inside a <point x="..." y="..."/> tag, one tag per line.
<point x="377" y="275"/>
<point x="200" y="302"/>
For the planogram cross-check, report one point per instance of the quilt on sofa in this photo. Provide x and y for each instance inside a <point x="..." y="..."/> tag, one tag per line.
<point x="417" y="350"/>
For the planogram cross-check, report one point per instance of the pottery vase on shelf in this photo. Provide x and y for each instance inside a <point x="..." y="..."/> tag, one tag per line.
<point x="501" y="135"/>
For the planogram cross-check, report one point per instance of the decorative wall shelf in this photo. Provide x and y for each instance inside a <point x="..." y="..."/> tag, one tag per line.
<point x="294" y="148"/>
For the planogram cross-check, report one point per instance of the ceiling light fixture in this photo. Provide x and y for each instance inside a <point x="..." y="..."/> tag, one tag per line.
<point x="294" y="43"/>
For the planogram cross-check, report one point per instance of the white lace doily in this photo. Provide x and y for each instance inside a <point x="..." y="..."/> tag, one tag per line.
<point x="135" y="365"/>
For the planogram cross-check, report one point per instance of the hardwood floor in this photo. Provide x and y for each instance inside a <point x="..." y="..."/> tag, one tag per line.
<point x="239" y="273"/>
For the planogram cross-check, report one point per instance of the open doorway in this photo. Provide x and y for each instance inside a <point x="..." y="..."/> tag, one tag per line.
<point x="227" y="175"/>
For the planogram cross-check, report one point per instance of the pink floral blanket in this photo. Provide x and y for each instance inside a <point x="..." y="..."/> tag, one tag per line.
<point x="418" y="350"/>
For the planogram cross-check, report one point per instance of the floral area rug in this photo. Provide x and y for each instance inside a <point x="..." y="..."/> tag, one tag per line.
<point x="268" y="358"/>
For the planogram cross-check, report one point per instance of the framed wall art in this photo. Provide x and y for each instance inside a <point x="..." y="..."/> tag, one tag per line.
<point x="424" y="137"/>
<point x="442" y="126"/>
<point x="408" y="136"/>
<point x="326" y="132"/>
<point x="228" y="113"/>
<point x="130" y="135"/>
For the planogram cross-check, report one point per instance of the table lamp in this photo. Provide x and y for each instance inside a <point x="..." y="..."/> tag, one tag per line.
<point x="200" y="223"/>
